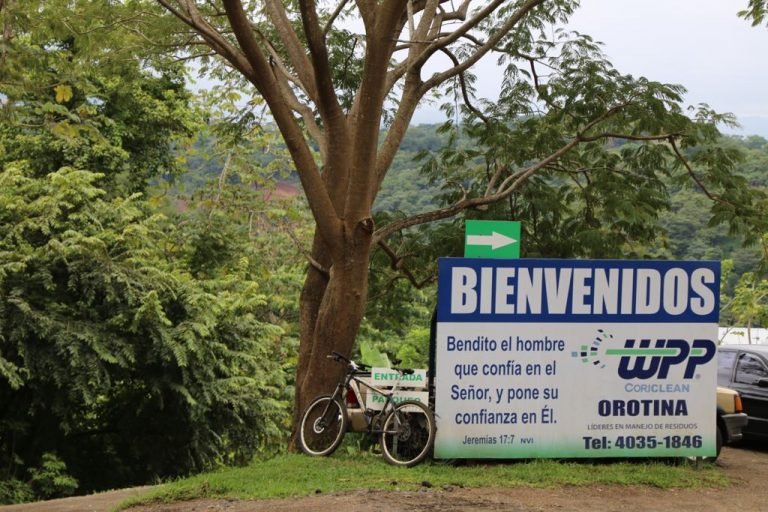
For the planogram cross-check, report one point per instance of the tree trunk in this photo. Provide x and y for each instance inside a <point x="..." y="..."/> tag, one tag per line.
<point x="315" y="284"/>
<point x="332" y="309"/>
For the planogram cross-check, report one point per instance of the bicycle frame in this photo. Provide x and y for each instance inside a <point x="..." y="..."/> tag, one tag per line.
<point x="352" y="381"/>
<point x="369" y="412"/>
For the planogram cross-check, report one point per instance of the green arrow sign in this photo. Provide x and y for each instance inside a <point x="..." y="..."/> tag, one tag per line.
<point x="492" y="239"/>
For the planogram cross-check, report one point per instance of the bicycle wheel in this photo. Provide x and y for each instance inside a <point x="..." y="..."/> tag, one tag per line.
<point x="322" y="426"/>
<point x="409" y="432"/>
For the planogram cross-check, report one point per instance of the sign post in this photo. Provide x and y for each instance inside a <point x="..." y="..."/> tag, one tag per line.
<point x="492" y="239"/>
<point x="576" y="358"/>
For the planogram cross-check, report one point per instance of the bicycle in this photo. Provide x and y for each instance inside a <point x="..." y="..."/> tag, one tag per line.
<point x="406" y="429"/>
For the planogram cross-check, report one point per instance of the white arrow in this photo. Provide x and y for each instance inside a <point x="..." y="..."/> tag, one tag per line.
<point x="495" y="240"/>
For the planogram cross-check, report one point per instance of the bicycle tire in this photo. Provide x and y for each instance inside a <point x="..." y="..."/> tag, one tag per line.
<point x="408" y="434"/>
<point x="315" y="437"/>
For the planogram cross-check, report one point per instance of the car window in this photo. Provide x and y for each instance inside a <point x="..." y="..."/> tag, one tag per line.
<point x="725" y="365"/>
<point x="749" y="370"/>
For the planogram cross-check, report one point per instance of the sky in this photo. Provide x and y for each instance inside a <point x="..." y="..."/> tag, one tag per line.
<point x="701" y="44"/>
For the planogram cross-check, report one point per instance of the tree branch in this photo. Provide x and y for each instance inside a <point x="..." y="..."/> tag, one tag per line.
<point x="327" y="101"/>
<point x="366" y="112"/>
<point x="306" y="113"/>
<point x="712" y="197"/>
<point x="366" y="8"/>
<point x="463" y="86"/>
<point x="502" y="32"/>
<point x="283" y="76"/>
<point x="645" y="138"/>
<point x="394" y="137"/>
<point x="312" y="261"/>
<point x="429" y="27"/>
<point x="219" y="44"/>
<point x="221" y="183"/>
<point x="293" y="47"/>
<point x="508" y="186"/>
<point x="279" y="65"/>
<point x="336" y="12"/>
<point x="412" y="92"/>
<point x="397" y="263"/>
<point x="328" y="222"/>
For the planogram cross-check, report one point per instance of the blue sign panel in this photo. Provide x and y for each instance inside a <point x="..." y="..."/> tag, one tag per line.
<point x="541" y="290"/>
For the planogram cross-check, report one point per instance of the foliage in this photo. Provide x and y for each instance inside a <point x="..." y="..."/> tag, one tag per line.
<point x="756" y="11"/>
<point x="405" y="189"/>
<point x="397" y="313"/>
<point x="13" y="490"/>
<point x="682" y="232"/>
<point x="135" y="345"/>
<point x="138" y="344"/>
<point x="238" y="199"/>
<point x="112" y="352"/>
<point x="396" y="322"/>
<point x="605" y="198"/>
<point x="749" y="304"/>
<point x="71" y="97"/>
<point x="371" y="356"/>
<point x="51" y="480"/>
<point x="584" y="155"/>
<point x="599" y="200"/>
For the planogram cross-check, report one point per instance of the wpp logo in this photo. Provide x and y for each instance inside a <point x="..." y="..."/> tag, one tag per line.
<point x="644" y="362"/>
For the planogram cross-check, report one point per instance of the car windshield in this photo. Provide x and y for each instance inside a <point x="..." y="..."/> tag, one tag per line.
<point x="725" y="366"/>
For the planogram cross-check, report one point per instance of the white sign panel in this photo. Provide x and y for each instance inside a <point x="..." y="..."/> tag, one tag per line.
<point x="387" y="377"/>
<point x="410" y="386"/>
<point x="376" y="401"/>
<point x="576" y="358"/>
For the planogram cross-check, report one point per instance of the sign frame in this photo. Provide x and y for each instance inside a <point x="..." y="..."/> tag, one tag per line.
<point x="593" y="358"/>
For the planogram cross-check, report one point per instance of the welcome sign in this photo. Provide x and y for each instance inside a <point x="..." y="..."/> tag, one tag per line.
<point x="576" y="358"/>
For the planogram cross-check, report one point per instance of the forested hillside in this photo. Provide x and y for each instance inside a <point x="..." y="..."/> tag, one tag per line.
<point x="685" y="231"/>
<point x="403" y="298"/>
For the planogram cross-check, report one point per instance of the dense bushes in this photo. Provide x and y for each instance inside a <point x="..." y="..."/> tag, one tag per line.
<point x="112" y="354"/>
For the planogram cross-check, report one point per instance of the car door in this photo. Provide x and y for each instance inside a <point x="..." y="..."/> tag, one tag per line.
<point x="750" y="370"/>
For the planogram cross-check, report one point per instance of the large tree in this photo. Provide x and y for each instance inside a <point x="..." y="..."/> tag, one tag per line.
<point x="333" y="73"/>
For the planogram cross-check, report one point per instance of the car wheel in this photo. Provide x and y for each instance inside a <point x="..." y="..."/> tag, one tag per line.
<point x="718" y="442"/>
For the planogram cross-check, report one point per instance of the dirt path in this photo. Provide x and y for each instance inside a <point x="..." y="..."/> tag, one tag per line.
<point x="101" y="502"/>
<point x="746" y="466"/>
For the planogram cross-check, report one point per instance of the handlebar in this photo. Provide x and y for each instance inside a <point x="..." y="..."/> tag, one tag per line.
<point x="340" y="358"/>
<point x="337" y="357"/>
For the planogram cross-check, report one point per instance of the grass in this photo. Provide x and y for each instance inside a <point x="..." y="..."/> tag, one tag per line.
<point x="298" y="475"/>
